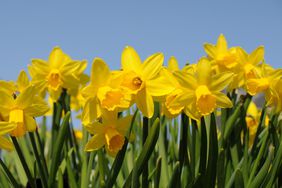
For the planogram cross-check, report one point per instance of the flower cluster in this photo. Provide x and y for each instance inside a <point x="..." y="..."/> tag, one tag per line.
<point x="196" y="90"/>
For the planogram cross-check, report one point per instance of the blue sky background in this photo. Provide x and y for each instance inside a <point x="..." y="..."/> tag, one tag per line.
<point x="88" y="29"/>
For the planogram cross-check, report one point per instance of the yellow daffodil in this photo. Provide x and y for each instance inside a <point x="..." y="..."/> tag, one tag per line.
<point x="110" y="133"/>
<point x="59" y="72"/>
<point x="266" y="75"/>
<point x="248" y="67"/>
<point x="22" y="109"/>
<point x="221" y="56"/>
<point x="103" y="92"/>
<point x="143" y="79"/>
<point x="168" y="110"/>
<point x="202" y="91"/>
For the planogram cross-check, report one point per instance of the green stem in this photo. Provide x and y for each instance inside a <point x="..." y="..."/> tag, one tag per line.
<point x="38" y="160"/>
<point x="24" y="164"/>
<point x="145" y="182"/>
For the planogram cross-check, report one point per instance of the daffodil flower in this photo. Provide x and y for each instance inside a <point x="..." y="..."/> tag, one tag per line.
<point x="103" y="92"/>
<point x="110" y="133"/>
<point x="202" y="91"/>
<point x="222" y="57"/>
<point x="248" y="67"/>
<point x="22" y="109"/>
<point x="274" y="97"/>
<point x="59" y="72"/>
<point x="261" y="83"/>
<point x="143" y="79"/>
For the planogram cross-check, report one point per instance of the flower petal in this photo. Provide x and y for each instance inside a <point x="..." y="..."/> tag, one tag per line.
<point x="186" y="80"/>
<point x="95" y="128"/>
<point x="6" y="144"/>
<point x="204" y="71"/>
<point x="221" y="80"/>
<point x="130" y="60"/>
<point x="221" y="44"/>
<point x="222" y="101"/>
<point x="30" y="123"/>
<point x="100" y="72"/>
<point x="26" y="98"/>
<point x="123" y="124"/>
<point x="6" y="127"/>
<point x="22" y="81"/>
<point x="160" y="86"/>
<point x="91" y="111"/>
<point x="210" y="50"/>
<point x="95" y="143"/>
<point x="173" y="64"/>
<point x="152" y="66"/>
<point x="257" y="55"/>
<point x="145" y="103"/>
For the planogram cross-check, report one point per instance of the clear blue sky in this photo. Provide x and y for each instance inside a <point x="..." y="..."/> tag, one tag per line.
<point x="88" y="29"/>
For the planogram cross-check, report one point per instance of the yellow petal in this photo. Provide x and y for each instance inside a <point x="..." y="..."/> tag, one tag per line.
<point x="57" y="58"/>
<point x="210" y="50"/>
<point x="152" y="66"/>
<point x="221" y="44"/>
<point x="22" y="81"/>
<point x="30" y="123"/>
<point x="204" y="71"/>
<point x="123" y="124"/>
<point x="38" y="108"/>
<point x="186" y="80"/>
<point x="95" y="143"/>
<point x="184" y="98"/>
<point x="38" y="66"/>
<point x="55" y="94"/>
<point x="25" y="98"/>
<point x="91" y="111"/>
<point x="159" y="87"/>
<point x="130" y="60"/>
<point x="145" y="103"/>
<point x="222" y="101"/>
<point x="242" y="55"/>
<point x="6" y="101"/>
<point x="100" y="72"/>
<point x="6" y="144"/>
<point x="257" y="55"/>
<point x="6" y="127"/>
<point x="221" y="81"/>
<point x="191" y="111"/>
<point x="89" y="91"/>
<point x="173" y="64"/>
<point x="95" y="128"/>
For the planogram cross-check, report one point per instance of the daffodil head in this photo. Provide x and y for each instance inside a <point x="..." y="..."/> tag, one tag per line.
<point x="223" y="57"/>
<point x="206" y="101"/>
<point x="172" y="110"/>
<point x="255" y="86"/>
<point x="113" y="98"/>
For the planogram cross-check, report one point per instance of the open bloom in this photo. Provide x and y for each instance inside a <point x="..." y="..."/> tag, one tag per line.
<point x="59" y="72"/>
<point x="110" y="133"/>
<point x="248" y="67"/>
<point x="143" y="79"/>
<point x="22" y="109"/>
<point x="266" y="75"/>
<point x="103" y="92"/>
<point x="201" y="92"/>
<point x="221" y="56"/>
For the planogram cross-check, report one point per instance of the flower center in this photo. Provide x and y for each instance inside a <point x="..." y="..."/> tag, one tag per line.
<point x="114" y="139"/>
<point x="132" y="82"/>
<point x="249" y="71"/>
<point x="54" y="80"/>
<point x="206" y="101"/>
<point x="226" y="60"/>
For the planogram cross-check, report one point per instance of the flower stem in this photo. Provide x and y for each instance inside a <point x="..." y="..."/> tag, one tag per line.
<point x="9" y="174"/>
<point x="145" y="182"/>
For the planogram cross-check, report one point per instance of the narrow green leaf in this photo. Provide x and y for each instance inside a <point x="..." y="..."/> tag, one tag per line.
<point x="239" y="181"/>
<point x="58" y="150"/>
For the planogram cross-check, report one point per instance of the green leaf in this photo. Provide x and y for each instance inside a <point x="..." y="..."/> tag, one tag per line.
<point x="174" y="180"/>
<point x="58" y="150"/>
<point x="239" y="181"/>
